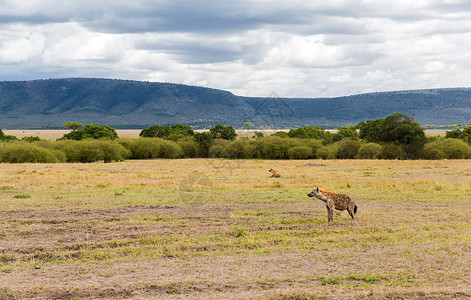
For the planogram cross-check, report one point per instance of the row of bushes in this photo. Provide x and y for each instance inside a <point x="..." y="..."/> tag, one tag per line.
<point x="278" y="148"/>
<point x="271" y="147"/>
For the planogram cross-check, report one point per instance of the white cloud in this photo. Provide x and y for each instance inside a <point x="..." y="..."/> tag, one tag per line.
<point x="15" y="51"/>
<point x="296" y="48"/>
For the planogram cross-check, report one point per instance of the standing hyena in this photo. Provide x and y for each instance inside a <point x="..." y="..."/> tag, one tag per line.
<point x="335" y="200"/>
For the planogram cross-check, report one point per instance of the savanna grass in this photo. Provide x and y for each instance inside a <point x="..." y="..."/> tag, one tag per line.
<point x="412" y="231"/>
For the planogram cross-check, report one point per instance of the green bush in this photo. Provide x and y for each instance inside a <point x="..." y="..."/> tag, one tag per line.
<point x="348" y="149"/>
<point x="315" y="145"/>
<point x="370" y="151"/>
<point x="235" y="149"/>
<point x="23" y="152"/>
<point x="275" y="147"/>
<point x="91" y="150"/>
<point x="216" y="149"/>
<point x="143" y="148"/>
<point x="328" y="151"/>
<point x="148" y="148"/>
<point x="113" y="151"/>
<point x="432" y="151"/>
<point x="300" y="152"/>
<point x="447" y="148"/>
<point x="31" y="139"/>
<point x="169" y="149"/>
<point x="189" y="148"/>
<point x="392" y="151"/>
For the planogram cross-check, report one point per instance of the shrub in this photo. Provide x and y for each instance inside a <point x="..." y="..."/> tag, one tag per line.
<point x="113" y="151"/>
<point x="148" y="148"/>
<point x="447" y="148"/>
<point x="216" y="149"/>
<point x="10" y="138"/>
<point x="275" y="147"/>
<point x="370" y="151"/>
<point x="31" y="139"/>
<point x="311" y="132"/>
<point x="432" y="151"/>
<point x="169" y="149"/>
<point x="300" y="152"/>
<point x="392" y="151"/>
<point x="143" y="148"/>
<point x="90" y="150"/>
<point x="315" y="145"/>
<point x="189" y="148"/>
<point x="235" y="149"/>
<point x="348" y="149"/>
<point x="21" y="152"/>
<point x="328" y="152"/>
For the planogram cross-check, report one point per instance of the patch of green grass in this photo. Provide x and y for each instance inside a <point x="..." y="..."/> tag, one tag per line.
<point x="361" y="280"/>
<point x="22" y="196"/>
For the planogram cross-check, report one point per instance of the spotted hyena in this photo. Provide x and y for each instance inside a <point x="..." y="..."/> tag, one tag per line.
<point x="335" y="200"/>
<point x="274" y="173"/>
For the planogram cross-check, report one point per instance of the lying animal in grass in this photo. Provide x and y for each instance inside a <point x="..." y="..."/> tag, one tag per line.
<point x="274" y="173"/>
<point x="335" y="200"/>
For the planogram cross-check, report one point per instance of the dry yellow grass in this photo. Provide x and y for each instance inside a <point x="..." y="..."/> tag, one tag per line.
<point x="208" y="228"/>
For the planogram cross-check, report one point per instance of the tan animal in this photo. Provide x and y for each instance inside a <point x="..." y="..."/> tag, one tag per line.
<point x="274" y="173"/>
<point x="335" y="200"/>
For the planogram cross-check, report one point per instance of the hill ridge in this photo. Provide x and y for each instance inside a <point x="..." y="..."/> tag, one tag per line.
<point x="49" y="103"/>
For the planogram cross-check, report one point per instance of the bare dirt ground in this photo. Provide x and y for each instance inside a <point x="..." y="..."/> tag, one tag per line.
<point x="247" y="237"/>
<point x="235" y="276"/>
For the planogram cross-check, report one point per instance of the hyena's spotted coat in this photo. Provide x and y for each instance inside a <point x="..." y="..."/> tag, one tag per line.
<point x="335" y="200"/>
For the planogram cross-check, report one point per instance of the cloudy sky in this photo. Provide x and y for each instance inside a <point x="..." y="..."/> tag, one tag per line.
<point x="296" y="48"/>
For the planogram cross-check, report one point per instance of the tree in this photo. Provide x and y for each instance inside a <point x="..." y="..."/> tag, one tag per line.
<point x="184" y="130"/>
<point x="161" y="131"/>
<point x="397" y="129"/>
<point x="371" y="130"/>
<point x="464" y="134"/>
<point x="258" y="135"/>
<point x="155" y="131"/>
<point x="205" y="140"/>
<point x="346" y="132"/>
<point x="73" y="125"/>
<point x="311" y="132"/>
<point x="92" y="131"/>
<point x="221" y="132"/>
<point x="2" y="135"/>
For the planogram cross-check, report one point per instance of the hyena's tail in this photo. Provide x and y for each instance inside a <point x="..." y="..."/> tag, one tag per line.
<point x="355" y="209"/>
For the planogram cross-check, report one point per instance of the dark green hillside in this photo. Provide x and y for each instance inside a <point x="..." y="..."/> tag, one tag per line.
<point x="136" y="104"/>
<point x="120" y="103"/>
<point x="436" y="107"/>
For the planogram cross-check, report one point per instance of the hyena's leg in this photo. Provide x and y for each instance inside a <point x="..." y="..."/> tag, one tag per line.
<point x="351" y="211"/>
<point x="330" y="214"/>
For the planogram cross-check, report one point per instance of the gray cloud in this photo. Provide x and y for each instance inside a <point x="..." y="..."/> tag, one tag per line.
<point x="297" y="48"/>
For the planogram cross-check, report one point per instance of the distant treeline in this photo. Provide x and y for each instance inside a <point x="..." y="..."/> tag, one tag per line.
<point x="397" y="136"/>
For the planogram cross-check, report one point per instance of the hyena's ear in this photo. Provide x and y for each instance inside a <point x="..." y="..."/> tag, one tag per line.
<point x="318" y="190"/>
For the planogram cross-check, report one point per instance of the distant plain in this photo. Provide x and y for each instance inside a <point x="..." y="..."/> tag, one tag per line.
<point x="134" y="133"/>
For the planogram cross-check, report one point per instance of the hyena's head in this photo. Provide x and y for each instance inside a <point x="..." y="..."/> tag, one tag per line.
<point x="315" y="192"/>
<point x="271" y="170"/>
